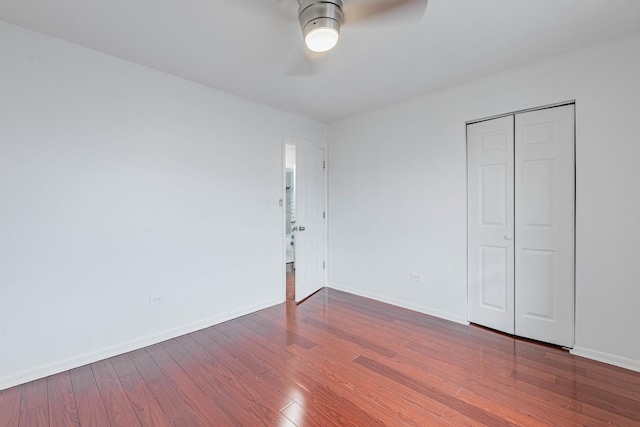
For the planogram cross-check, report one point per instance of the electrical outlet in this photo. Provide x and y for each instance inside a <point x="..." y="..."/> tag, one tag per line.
<point x="416" y="277"/>
<point x="156" y="299"/>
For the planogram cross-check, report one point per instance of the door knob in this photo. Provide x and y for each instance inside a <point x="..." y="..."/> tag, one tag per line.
<point x="301" y="228"/>
<point x="508" y="237"/>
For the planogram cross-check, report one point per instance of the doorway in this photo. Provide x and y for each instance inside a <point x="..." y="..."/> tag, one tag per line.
<point x="290" y="219"/>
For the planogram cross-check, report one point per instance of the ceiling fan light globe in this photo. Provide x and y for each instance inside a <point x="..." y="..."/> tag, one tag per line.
<point x="321" y="39"/>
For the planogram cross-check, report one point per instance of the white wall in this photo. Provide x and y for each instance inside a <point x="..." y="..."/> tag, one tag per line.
<point x="118" y="182"/>
<point x="397" y="192"/>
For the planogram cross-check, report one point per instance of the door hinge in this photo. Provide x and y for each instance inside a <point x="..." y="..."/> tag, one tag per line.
<point x="324" y="215"/>
<point x="324" y="164"/>
<point x="323" y="264"/>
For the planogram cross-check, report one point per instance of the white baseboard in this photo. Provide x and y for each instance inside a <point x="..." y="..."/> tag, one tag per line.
<point x="105" y="353"/>
<point x="611" y="359"/>
<point x="404" y="304"/>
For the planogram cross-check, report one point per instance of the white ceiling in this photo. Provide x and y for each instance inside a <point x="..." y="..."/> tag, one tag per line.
<point x="255" y="51"/>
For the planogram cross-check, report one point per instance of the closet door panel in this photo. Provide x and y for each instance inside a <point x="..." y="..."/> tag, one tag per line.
<point x="490" y="223"/>
<point x="544" y="224"/>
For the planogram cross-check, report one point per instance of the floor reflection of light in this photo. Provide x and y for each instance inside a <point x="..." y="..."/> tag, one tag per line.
<point x="295" y="394"/>
<point x="295" y="411"/>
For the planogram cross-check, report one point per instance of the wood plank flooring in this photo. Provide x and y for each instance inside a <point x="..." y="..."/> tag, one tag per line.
<point x="334" y="360"/>
<point x="291" y="282"/>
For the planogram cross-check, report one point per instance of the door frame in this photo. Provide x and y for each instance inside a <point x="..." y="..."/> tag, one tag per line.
<point x="575" y="192"/>
<point x="291" y="140"/>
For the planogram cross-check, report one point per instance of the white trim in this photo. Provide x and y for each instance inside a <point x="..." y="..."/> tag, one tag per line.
<point x="611" y="359"/>
<point x="105" y="353"/>
<point x="404" y="304"/>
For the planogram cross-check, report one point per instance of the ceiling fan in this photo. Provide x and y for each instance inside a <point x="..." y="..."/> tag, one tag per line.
<point x="320" y="20"/>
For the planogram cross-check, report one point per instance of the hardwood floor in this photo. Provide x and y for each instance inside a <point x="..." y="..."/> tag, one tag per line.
<point x="334" y="360"/>
<point x="291" y="282"/>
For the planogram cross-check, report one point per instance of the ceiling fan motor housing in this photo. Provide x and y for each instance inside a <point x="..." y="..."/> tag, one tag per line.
<point x="320" y="13"/>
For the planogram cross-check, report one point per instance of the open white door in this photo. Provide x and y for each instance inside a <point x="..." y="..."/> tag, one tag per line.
<point x="544" y="248"/>
<point x="490" y="222"/>
<point x="310" y="222"/>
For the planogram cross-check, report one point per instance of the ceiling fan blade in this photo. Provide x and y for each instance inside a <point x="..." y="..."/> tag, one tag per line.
<point x="387" y="11"/>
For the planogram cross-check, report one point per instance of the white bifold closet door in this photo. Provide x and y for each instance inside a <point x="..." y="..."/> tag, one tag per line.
<point x="521" y="189"/>
<point x="490" y="241"/>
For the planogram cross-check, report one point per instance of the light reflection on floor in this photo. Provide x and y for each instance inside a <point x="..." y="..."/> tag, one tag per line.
<point x="295" y="411"/>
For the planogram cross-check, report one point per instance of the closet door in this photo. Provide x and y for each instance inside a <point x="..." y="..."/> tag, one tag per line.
<point x="490" y="223"/>
<point x="544" y="225"/>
